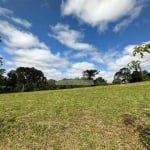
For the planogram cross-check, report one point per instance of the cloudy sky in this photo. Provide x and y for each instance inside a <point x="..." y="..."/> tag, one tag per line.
<point x="65" y="37"/>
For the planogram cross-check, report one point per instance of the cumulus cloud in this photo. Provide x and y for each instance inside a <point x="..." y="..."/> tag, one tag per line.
<point x="77" y="69"/>
<point x="111" y="61"/>
<point x="36" y="57"/>
<point x="69" y="37"/>
<point x="18" y="38"/>
<point x="27" y="50"/>
<point x="102" y="12"/>
<point x="114" y="65"/>
<point x="54" y="74"/>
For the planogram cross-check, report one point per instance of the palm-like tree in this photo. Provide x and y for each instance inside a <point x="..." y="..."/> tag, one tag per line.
<point x="90" y="74"/>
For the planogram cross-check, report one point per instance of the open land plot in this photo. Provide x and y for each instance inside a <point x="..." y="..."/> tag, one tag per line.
<point x="105" y="117"/>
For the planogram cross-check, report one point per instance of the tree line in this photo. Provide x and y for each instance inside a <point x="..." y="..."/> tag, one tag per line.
<point x="31" y="79"/>
<point x="124" y="75"/>
<point x="133" y="71"/>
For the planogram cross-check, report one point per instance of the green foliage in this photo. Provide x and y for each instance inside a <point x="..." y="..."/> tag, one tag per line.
<point x="12" y="80"/>
<point x="137" y="76"/>
<point x="141" y="49"/>
<point x="2" y="78"/>
<point x="26" y="79"/>
<point x="90" y="74"/>
<point x="125" y="76"/>
<point x="100" y="81"/>
<point x="116" y="81"/>
<point x="51" y="84"/>
<point x="2" y="71"/>
<point x="122" y="76"/>
<point x="135" y="65"/>
<point x="146" y="75"/>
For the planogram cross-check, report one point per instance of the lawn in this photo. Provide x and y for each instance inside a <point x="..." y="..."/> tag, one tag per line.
<point x="95" y="118"/>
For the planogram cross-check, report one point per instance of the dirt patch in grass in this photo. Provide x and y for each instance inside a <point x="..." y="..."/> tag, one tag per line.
<point x="140" y="124"/>
<point x="89" y="132"/>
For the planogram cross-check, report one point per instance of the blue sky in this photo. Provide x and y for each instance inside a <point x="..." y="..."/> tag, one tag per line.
<point x="65" y="37"/>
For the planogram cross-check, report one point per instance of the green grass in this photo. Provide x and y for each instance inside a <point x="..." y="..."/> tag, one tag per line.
<point x="83" y="118"/>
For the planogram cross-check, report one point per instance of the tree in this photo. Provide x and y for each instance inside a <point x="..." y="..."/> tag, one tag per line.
<point x="116" y="81"/>
<point x="137" y="74"/>
<point x="135" y="65"/>
<point x="146" y="75"/>
<point x="100" y="81"/>
<point x="141" y="49"/>
<point x="28" y="79"/>
<point x="51" y="84"/>
<point x="2" y="78"/>
<point x="90" y="74"/>
<point x="2" y="71"/>
<point x="122" y="76"/>
<point x="11" y="81"/>
<point x="137" y="71"/>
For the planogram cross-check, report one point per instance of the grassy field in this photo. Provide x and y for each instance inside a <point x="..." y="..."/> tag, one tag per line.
<point x="96" y="118"/>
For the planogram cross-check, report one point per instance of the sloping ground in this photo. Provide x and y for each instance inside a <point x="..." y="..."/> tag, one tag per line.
<point x="106" y="117"/>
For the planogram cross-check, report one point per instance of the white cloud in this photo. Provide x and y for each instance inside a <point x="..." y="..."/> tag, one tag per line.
<point x="70" y="38"/>
<point x="53" y="74"/>
<point x="19" y="39"/>
<point x="5" y="12"/>
<point x="30" y="51"/>
<point x="124" y="23"/>
<point x="27" y="50"/>
<point x="80" y="54"/>
<point x="77" y="69"/>
<point x="10" y="15"/>
<point x="102" y="12"/>
<point x="22" y="22"/>
<point x="102" y="57"/>
<point x="114" y="65"/>
<point x="107" y="75"/>
<point x="36" y="57"/>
